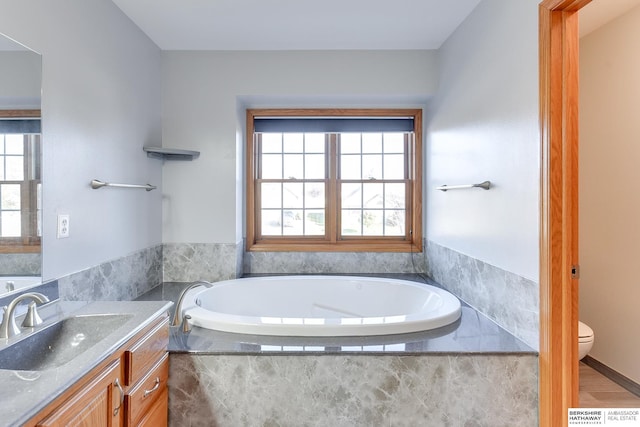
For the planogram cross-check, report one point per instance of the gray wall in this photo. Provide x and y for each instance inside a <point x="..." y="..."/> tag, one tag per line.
<point x="20" y="79"/>
<point x="204" y="97"/>
<point x="100" y="105"/>
<point x="483" y="125"/>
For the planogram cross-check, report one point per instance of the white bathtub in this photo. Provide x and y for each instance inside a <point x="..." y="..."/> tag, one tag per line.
<point x="321" y="306"/>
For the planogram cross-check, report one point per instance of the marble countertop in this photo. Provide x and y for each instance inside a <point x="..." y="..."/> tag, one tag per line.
<point x="472" y="333"/>
<point x="24" y="393"/>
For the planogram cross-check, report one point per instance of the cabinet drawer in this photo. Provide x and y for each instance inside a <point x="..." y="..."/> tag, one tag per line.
<point x="150" y="389"/>
<point x="146" y="352"/>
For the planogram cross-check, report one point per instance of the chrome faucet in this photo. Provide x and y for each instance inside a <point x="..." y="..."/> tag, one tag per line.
<point x="8" y="328"/>
<point x="178" y="320"/>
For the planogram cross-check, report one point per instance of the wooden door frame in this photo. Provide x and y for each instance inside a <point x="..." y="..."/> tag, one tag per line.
<point x="559" y="70"/>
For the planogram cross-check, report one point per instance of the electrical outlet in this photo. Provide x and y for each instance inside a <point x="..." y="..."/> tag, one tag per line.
<point x="63" y="226"/>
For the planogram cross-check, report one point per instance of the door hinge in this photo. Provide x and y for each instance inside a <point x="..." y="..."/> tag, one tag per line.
<point x="575" y="271"/>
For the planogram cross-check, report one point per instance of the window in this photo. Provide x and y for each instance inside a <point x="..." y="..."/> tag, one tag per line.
<point x="334" y="180"/>
<point x="20" y="185"/>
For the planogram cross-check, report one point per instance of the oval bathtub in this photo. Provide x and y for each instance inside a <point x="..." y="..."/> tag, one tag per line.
<point x="316" y="306"/>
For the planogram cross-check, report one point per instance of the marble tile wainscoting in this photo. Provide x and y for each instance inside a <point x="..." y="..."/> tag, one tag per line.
<point x="22" y="264"/>
<point x="332" y="262"/>
<point x="124" y="278"/>
<point x="188" y="262"/>
<point x="508" y="299"/>
<point x="426" y="390"/>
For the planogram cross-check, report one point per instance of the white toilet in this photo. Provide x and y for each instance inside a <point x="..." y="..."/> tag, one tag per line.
<point x="585" y="339"/>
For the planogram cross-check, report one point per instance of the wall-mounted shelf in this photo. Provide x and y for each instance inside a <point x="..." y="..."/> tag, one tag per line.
<point x="171" y="153"/>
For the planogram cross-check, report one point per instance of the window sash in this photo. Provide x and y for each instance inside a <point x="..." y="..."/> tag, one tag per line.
<point x="28" y="210"/>
<point x="333" y="238"/>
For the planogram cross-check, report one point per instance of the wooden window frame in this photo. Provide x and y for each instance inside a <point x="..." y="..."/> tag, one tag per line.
<point x="412" y="242"/>
<point x="28" y="242"/>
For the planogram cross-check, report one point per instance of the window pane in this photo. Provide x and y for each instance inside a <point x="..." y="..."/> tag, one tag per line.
<point x="351" y="196"/>
<point x="10" y="224"/>
<point x="292" y="195"/>
<point x="271" y="195"/>
<point x="372" y="143"/>
<point x="314" y="195"/>
<point x="350" y="143"/>
<point x="350" y="166"/>
<point x="293" y="142"/>
<point x="372" y="223"/>
<point x="15" y="144"/>
<point x="372" y="166"/>
<point x="2" y="177"/>
<point x="272" y="166"/>
<point x="314" y="142"/>
<point x="394" y="143"/>
<point x="14" y="168"/>
<point x="10" y="196"/>
<point x="272" y="143"/>
<point x="314" y="167"/>
<point x="2" y="135"/>
<point x="292" y="222"/>
<point x="394" y="166"/>
<point x="394" y="222"/>
<point x="293" y="166"/>
<point x="394" y="196"/>
<point x="271" y="222"/>
<point x="372" y="196"/>
<point x="314" y="223"/>
<point x="351" y="222"/>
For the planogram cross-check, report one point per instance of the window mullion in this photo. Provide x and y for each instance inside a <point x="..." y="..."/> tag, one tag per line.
<point x="333" y="193"/>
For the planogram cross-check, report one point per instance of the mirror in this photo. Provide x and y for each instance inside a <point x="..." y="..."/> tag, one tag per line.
<point x="20" y="168"/>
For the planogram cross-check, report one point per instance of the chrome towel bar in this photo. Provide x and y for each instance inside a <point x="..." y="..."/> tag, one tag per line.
<point x="96" y="183"/>
<point x="485" y="185"/>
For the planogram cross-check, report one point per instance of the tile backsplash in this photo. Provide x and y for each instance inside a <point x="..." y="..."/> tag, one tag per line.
<point x="124" y="278"/>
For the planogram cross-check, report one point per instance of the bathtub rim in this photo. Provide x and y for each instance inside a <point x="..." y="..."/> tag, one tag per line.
<point x="225" y="322"/>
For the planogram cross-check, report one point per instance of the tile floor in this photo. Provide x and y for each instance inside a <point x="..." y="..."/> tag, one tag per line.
<point x="598" y="391"/>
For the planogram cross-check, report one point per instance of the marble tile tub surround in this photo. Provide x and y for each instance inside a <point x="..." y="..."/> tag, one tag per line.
<point x="332" y="262"/>
<point x="187" y="262"/>
<point x="506" y="298"/>
<point x="124" y="278"/>
<point x="348" y="390"/>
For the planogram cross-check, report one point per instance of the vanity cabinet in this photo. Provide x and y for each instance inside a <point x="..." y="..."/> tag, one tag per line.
<point x="127" y="389"/>
<point x="146" y="375"/>
<point x="99" y="403"/>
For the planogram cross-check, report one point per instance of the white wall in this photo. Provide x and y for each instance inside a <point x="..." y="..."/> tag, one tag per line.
<point x="484" y="126"/>
<point x="100" y="105"/>
<point x="609" y="201"/>
<point x="205" y="92"/>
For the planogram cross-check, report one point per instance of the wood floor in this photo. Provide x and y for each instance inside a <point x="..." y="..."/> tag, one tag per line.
<point x="597" y="391"/>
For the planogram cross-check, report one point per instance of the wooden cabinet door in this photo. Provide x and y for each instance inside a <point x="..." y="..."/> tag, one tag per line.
<point x="158" y="414"/>
<point x="97" y="404"/>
